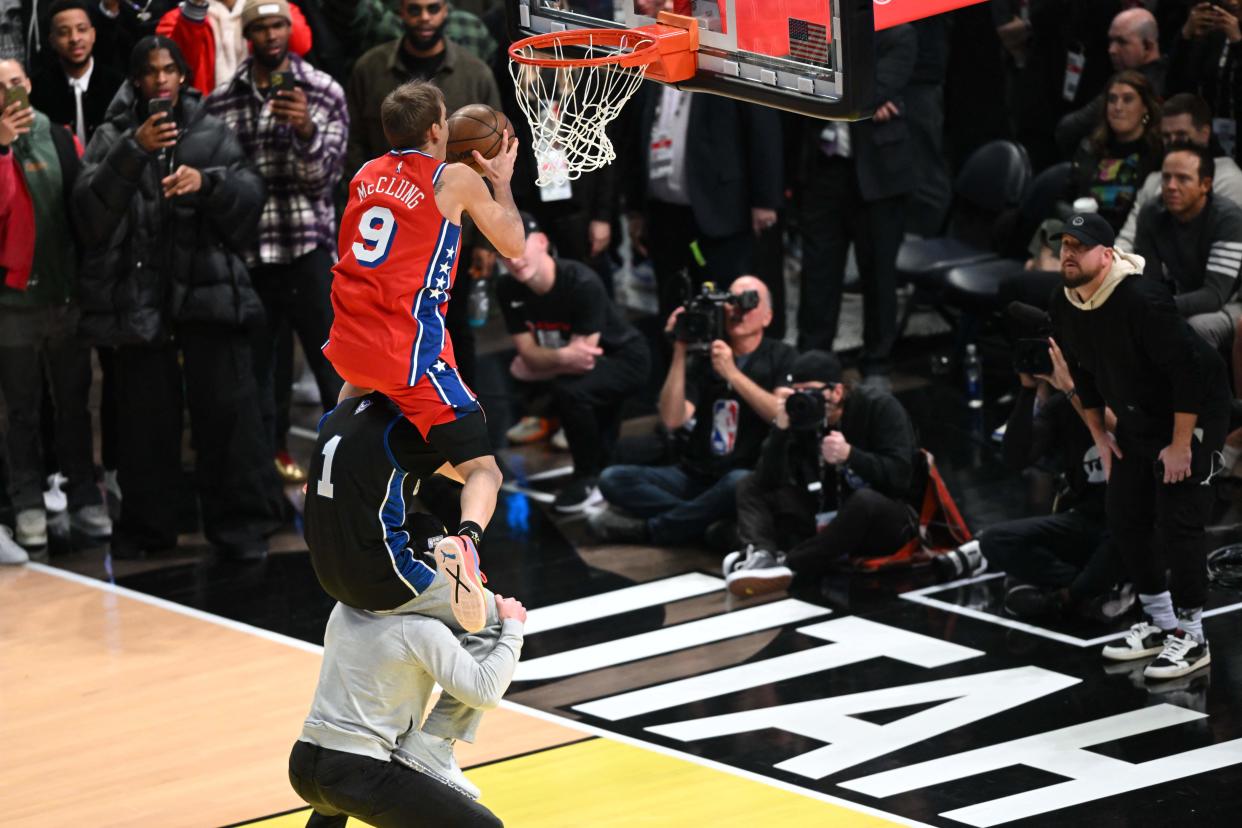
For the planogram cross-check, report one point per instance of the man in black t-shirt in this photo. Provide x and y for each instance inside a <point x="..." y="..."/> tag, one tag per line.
<point x="369" y="462"/>
<point x="728" y="400"/>
<point x="572" y="340"/>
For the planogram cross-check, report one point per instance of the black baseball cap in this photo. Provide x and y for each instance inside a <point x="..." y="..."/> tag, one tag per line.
<point x="1089" y="228"/>
<point x="816" y="366"/>
<point x="529" y="223"/>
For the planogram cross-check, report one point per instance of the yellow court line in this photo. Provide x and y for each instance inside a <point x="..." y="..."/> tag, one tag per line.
<point x="602" y="783"/>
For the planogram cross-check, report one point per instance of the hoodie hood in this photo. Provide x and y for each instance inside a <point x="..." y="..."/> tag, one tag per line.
<point x="1124" y="264"/>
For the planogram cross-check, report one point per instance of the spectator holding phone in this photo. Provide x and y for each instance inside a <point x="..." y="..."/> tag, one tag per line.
<point x="167" y="203"/>
<point x="1205" y="60"/>
<point x="39" y="315"/>
<point x="292" y="122"/>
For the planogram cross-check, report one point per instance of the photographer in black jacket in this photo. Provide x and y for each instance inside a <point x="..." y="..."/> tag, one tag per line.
<point x="831" y="484"/>
<point x="1120" y="342"/>
<point x="166" y="203"/>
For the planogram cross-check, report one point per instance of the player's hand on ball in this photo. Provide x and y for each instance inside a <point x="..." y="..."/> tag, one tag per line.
<point x="499" y="169"/>
<point x="508" y="608"/>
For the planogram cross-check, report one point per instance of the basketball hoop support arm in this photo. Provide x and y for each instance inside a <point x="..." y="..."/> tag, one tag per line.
<point x="677" y="38"/>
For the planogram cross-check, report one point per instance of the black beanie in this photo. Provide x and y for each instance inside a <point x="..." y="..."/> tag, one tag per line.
<point x="816" y="366"/>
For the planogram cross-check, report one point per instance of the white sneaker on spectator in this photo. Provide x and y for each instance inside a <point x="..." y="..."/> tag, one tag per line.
<point x="111" y="484"/>
<point x="54" y="499"/>
<point x="306" y="391"/>
<point x="92" y="521"/>
<point x="10" y="553"/>
<point x="1144" y="640"/>
<point x="762" y="572"/>
<point x="559" y="441"/>
<point x="433" y="755"/>
<point x="32" y="527"/>
<point x="1181" y="655"/>
<point x="736" y="559"/>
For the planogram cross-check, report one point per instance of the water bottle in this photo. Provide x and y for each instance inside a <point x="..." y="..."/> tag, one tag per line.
<point x="478" y="303"/>
<point x="974" y="377"/>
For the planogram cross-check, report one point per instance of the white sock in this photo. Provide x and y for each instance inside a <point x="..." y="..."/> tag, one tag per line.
<point x="1191" y="622"/>
<point x="1159" y="608"/>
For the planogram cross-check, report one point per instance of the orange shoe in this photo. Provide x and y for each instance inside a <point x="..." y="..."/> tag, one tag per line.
<point x="530" y="430"/>
<point x="458" y="561"/>
<point x="288" y="468"/>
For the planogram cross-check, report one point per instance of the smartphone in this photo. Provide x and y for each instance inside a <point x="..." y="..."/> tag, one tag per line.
<point x="164" y="105"/>
<point x="16" y="94"/>
<point x="1030" y="356"/>
<point x="281" y="82"/>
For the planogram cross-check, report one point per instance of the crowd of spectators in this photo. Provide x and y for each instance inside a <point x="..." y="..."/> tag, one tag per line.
<point x="168" y="205"/>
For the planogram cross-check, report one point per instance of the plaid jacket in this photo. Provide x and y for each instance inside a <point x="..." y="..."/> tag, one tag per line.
<point x="300" y="175"/>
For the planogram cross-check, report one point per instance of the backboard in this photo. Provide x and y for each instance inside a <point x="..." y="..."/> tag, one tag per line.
<point x="815" y="57"/>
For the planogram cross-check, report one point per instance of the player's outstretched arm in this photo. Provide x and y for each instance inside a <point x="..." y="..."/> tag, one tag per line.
<point x="497" y="216"/>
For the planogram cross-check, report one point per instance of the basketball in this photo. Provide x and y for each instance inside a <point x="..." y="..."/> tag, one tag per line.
<point x="476" y="127"/>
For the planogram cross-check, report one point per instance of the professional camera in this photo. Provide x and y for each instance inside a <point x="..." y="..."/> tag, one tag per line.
<point x="703" y="320"/>
<point x="805" y="409"/>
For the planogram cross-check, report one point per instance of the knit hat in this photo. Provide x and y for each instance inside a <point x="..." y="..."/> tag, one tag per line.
<point x="255" y="9"/>
<point x="816" y="366"/>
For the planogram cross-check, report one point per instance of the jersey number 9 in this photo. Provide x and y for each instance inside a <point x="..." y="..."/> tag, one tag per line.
<point x="377" y="228"/>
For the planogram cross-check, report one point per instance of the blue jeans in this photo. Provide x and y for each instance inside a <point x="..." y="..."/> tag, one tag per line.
<point x="679" y="506"/>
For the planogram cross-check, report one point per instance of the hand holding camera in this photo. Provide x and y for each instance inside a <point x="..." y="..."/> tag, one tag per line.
<point x="722" y="360"/>
<point x="835" y="449"/>
<point x="703" y="319"/>
<point x="159" y="130"/>
<point x="16" y="120"/>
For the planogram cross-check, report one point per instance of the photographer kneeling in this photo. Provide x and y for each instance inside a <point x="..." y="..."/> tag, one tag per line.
<point x="726" y="391"/>
<point x="831" y="484"/>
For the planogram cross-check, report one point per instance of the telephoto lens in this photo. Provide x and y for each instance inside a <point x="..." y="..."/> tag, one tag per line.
<point x="966" y="561"/>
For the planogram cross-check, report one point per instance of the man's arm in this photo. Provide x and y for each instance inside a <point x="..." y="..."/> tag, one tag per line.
<point x="764" y="402"/>
<point x="497" y="217"/>
<point x="887" y="462"/>
<point x="475" y="683"/>
<point x="675" y="409"/>
<point x="1220" y="274"/>
<point x="578" y="357"/>
<point x="1078" y="125"/>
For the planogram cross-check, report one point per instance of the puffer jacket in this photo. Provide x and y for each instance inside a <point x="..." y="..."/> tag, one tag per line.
<point x="152" y="263"/>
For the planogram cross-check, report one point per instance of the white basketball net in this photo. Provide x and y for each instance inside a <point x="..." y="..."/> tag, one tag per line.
<point x="568" y="108"/>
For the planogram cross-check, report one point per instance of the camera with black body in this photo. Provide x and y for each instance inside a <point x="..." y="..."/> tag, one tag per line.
<point x="806" y="409"/>
<point x="703" y="320"/>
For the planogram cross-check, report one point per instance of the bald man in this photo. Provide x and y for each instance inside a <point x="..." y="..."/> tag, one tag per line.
<point x="725" y="399"/>
<point x="1133" y="43"/>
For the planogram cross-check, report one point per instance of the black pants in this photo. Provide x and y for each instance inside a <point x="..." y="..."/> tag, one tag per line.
<point x="834" y="214"/>
<point x="36" y="343"/>
<point x="237" y="484"/>
<point x="869" y="524"/>
<point x="1160" y="527"/>
<point x="1071" y="549"/>
<point x="589" y="405"/>
<point x="340" y="785"/>
<point x="297" y="298"/>
<point x="670" y="229"/>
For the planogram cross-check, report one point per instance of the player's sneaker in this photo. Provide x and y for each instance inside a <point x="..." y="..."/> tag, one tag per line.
<point x="458" y="561"/>
<point x="1144" y="640"/>
<point x="1181" y="655"/>
<point x="762" y="572"/>
<point x="530" y="430"/>
<point x="433" y="756"/>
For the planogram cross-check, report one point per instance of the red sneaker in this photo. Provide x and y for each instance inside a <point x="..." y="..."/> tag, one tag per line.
<point x="458" y="561"/>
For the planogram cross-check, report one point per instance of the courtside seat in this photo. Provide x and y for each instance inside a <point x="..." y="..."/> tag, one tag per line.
<point x="975" y="287"/>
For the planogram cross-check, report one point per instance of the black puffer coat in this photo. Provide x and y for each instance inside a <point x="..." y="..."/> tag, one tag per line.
<point x="153" y="263"/>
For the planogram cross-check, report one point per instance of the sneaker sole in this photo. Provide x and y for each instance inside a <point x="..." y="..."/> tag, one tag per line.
<point x="467" y="598"/>
<point x="757" y="583"/>
<point x="39" y="540"/>
<point x="1164" y="673"/>
<point x="418" y="766"/>
<point x="1132" y="655"/>
<point x="581" y="506"/>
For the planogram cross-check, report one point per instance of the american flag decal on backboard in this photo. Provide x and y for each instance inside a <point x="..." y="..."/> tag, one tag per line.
<point x="808" y="41"/>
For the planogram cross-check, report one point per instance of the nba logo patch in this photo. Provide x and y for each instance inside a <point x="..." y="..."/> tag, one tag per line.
<point x="724" y="426"/>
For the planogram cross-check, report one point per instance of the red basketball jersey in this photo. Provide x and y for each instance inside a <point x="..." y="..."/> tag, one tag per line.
<point x="396" y="262"/>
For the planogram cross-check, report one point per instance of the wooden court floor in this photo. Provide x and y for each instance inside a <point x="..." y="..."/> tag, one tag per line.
<point x="119" y="709"/>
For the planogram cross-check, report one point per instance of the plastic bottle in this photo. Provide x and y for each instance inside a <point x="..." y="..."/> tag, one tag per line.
<point x="479" y="304"/>
<point x="973" y="369"/>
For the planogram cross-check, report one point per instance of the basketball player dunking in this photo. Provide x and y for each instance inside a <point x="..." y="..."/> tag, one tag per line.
<point x="398" y="251"/>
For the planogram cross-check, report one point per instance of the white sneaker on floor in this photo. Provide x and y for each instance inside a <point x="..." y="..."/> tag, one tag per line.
<point x="11" y="554"/>
<point x="111" y="484"/>
<point x="32" y="527"/>
<point x="736" y="559"/>
<point x="762" y="572"/>
<point x="1144" y="640"/>
<point x="559" y="441"/>
<point x="434" y="756"/>
<point x="92" y="521"/>
<point x="54" y="498"/>
<point x="1181" y="655"/>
